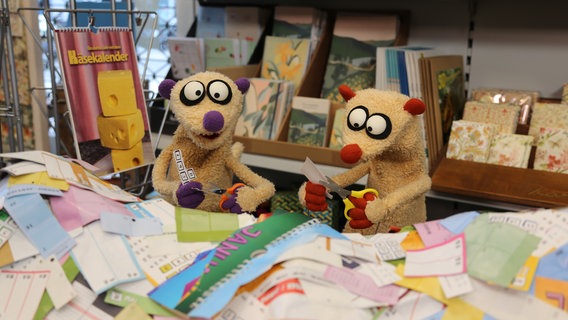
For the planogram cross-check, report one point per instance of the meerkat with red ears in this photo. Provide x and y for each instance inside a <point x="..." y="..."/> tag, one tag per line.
<point x="382" y="134"/>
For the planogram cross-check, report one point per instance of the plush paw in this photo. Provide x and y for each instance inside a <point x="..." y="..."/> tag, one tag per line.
<point x="359" y="219"/>
<point x="231" y="204"/>
<point x="189" y="195"/>
<point x="377" y="210"/>
<point x="315" y="197"/>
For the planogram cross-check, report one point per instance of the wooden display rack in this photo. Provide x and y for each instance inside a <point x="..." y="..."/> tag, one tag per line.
<point x="515" y="185"/>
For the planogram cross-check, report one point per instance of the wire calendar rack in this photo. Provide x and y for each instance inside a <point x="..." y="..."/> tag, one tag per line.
<point x="55" y="111"/>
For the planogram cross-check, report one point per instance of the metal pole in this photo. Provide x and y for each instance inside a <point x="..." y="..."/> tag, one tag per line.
<point x="113" y="10"/>
<point x="13" y="76"/>
<point x="6" y="108"/>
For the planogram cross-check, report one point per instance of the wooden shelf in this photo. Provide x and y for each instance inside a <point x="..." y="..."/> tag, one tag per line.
<point x="515" y="185"/>
<point x="292" y="151"/>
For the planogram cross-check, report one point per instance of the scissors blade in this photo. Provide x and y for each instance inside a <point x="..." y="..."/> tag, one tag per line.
<point x="212" y="188"/>
<point x="343" y="193"/>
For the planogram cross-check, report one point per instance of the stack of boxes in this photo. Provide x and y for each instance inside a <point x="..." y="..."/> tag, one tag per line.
<point x="121" y="126"/>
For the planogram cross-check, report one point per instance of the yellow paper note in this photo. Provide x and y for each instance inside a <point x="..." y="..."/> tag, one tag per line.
<point x="39" y="178"/>
<point x="524" y="277"/>
<point x="412" y="241"/>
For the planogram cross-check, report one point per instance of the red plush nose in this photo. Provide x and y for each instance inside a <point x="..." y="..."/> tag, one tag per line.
<point x="351" y="153"/>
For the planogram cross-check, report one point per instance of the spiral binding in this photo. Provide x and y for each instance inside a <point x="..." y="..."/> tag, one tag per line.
<point x="243" y="266"/>
<point x="293" y="232"/>
<point x="99" y="29"/>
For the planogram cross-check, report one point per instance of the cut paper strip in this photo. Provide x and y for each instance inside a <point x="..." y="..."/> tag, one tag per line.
<point x="34" y="217"/>
<point x="444" y="259"/>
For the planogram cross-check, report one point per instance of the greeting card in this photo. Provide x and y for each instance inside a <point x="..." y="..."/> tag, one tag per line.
<point x="552" y="150"/>
<point x="503" y="115"/>
<point x="470" y="140"/>
<point x="548" y="115"/>
<point x="512" y="150"/>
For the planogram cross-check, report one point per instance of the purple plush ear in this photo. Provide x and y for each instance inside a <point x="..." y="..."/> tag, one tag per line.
<point x="165" y="88"/>
<point x="243" y="84"/>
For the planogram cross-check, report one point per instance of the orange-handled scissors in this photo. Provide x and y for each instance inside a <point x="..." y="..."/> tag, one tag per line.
<point x="224" y="193"/>
<point x="344" y="194"/>
<point x="228" y="192"/>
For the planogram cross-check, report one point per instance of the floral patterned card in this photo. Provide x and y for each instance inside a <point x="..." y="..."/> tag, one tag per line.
<point x="552" y="150"/>
<point x="336" y="137"/>
<point x="470" y="140"/>
<point x="505" y="116"/>
<point x="285" y="59"/>
<point x="548" y="115"/>
<point x="259" y="107"/>
<point x="564" y="94"/>
<point x="512" y="150"/>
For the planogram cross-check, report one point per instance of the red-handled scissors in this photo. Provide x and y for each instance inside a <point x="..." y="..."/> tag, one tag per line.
<point x="344" y="194"/>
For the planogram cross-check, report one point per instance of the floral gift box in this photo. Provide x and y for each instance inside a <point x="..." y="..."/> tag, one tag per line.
<point x="552" y="150"/>
<point x="505" y="116"/>
<point x="512" y="150"/>
<point x="470" y="140"/>
<point x="548" y="115"/>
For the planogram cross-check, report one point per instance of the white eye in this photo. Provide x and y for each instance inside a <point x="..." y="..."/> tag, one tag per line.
<point x="378" y="126"/>
<point x="192" y="93"/>
<point x="357" y="118"/>
<point x="219" y="91"/>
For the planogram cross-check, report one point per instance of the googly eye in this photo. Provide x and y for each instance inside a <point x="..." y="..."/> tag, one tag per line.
<point x="378" y="126"/>
<point x="357" y="117"/>
<point x="219" y="91"/>
<point x="192" y="93"/>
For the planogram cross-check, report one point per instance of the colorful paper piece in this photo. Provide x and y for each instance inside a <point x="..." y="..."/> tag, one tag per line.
<point x="202" y="226"/>
<point x="22" y="291"/>
<point x="34" y="217"/>
<point x="105" y="259"/>
<point x="497" y="251"/>
<point x="444" y="259"/>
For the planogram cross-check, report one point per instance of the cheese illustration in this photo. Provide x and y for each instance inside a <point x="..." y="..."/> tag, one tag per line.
<point x="116" y="92"/>
<point x="127" y="159"/>
<point x="121" y="132"/>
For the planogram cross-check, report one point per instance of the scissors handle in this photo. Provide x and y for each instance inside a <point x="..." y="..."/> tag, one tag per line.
<point x="229" y="192"/>
<point x="362" y="193"/>
<point x="357" y="194"/>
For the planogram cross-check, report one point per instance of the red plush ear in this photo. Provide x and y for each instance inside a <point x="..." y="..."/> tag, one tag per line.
<point x="346" y="92"/>
<point x="415" y="106"/>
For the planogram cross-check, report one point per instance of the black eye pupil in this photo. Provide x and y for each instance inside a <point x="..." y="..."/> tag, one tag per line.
<point x="217" y="95"/>
<point x="198" y="92"/>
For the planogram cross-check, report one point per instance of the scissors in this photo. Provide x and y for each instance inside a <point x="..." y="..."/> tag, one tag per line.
<point x="224" y="193"/>
<point x="344" y="194"/>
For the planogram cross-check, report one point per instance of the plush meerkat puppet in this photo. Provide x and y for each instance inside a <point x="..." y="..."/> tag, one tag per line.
<point x="202" y="155"/>
<point x="382" y="134"/>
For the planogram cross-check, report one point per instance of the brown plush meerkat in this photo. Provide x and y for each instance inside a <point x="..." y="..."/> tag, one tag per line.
<point x="382" y="133"/>
<point x="202" y="154"/>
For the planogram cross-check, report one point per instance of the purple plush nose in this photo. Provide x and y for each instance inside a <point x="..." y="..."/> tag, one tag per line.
<point x="213" y="121"/>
